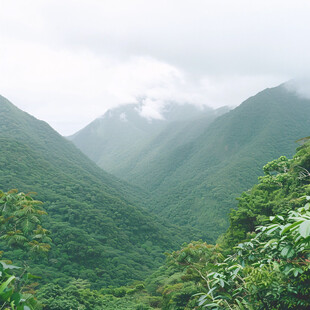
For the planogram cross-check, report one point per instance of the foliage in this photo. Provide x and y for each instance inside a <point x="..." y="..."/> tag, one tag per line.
<point x="20" y="222"/>
<point x="271" y="271"/>
<point x="12" y="296"/>
<point x="193" y="170"/>
<point x="285" y="181"/>
<point x="252" y="268"/>
<point x="20" y="228"/>
<point x="180" y="278"/>
<point x="103" y="234"/>
<point x="101" y="231"/>
<point x="78" y="295"/>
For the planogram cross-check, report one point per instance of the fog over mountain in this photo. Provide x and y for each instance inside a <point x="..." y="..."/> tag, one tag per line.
<point x="115" y="137"/>
<point x="67" y="71"/>
<point x="198" y="158"/>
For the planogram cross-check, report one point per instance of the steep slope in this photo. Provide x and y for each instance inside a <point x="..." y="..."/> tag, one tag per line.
<point x="115" y="140"/>
<point x="226" y="159"/>
<point x="98" y="232"/>
<point x="163" y="153"/>
<point x="193" y="170"/>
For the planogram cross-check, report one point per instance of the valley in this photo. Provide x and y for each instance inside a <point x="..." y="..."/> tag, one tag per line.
<point x="171" y="187"/>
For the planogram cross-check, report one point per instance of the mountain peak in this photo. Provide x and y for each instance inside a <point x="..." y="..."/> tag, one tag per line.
<point x="123" y="130"/>
<point x="93" y="215"/>
<point x="152" y="110"/>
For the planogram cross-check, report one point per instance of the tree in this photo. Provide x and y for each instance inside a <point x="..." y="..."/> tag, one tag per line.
<point x="20" y="222"/>
<point x="20" y="228"/>
<point x="271" y="271"/>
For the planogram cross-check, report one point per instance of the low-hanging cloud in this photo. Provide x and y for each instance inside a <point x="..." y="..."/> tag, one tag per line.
<point x="69" y="61"/>
<point x="300" y="86"/>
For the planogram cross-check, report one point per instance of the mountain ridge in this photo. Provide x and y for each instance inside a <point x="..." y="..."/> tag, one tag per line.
<point x="114" y="138"/>
<point x="195" y="181"/>
<point x="100" y="232"/>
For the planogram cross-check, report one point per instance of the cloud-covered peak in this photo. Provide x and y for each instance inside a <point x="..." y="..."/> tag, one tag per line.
<point x="151" y="110"/>
<point x="301" y="86"/>
<point x="109" y="53"/>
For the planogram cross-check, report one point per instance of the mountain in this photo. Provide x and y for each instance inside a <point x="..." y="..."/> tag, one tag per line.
<point x="99" y="229"/>
<point x="226" y="158"/>
<point x="194" y="172"/>
<point x="114" y="140"/>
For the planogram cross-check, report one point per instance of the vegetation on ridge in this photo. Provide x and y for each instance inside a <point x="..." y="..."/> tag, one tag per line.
<point x="20" y="228"/>
<point x="193" y="170"/>
<point x="262" y="262"/>
<point x="100" y="233"/>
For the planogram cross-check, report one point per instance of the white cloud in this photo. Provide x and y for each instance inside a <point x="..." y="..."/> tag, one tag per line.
<point x="151" y="109"/>
<point x="69" y="61"/>
<point x="301" y="86"/>
<point x="123" y="117"/>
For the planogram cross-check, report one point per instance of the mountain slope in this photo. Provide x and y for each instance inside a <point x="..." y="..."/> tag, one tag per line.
<point x="193" y="170"/>
<point x="97" y="230"/>
<point x="114" y="140"/>
<point x="226" y="159"/>
<point x="150" y="165"/>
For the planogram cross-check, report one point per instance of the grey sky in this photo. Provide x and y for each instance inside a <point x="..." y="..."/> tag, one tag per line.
<point x="66" y="62"/>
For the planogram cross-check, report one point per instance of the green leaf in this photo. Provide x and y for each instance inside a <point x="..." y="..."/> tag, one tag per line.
<point x="304" y="229"/>
<point x="16" y="297"/>
<point x="289" y="227"/>
<point x="241" y="307"/>
<point x="7" y="294"/>
<point x="287" y="251"/>
<point x="31" y="276"/>
<point x="5" y="284"/>
<point x="202" y="300"/>
<point x="6" y="266"/>
<point x="212" y="305"/>
<point x="221" y="283"/>
<point x="270" y="231"/>
<point x="297" y="271"/>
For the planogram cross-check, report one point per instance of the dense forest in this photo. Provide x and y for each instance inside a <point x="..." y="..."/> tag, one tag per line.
<point x="101" y="230"/>
<point x="115" y="140"/>
<point x="261" y="262"/>
<point x="193" y="169"/>
<point x="154" y="155"/>
<point x="76" y="237"/>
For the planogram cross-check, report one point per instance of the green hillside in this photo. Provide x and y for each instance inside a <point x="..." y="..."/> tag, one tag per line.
<point x="261" y="262"/>
<point x="226" y="159"/>
<point x="194" y="169"/>
<point x="115" y="140"/>
<point x="161" y="154"/>
<point x="98" y="231"/>
<point x="110" y="139"/>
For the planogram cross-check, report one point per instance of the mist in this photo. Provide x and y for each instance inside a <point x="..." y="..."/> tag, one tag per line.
<point x="68" y="62"/>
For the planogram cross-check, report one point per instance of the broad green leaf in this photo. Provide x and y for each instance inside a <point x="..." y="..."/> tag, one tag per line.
<point x="286" y="251"/>
<point x="202" y="300"/>
<point x="289" y="227"/>
<point x="7" y="294"/>
<point x="304" y="229"/>
<point x="5" y="284"/>
<point x="270" y="231"/>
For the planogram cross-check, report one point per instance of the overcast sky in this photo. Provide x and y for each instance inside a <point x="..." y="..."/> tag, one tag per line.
<point x="68" y="61"/>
